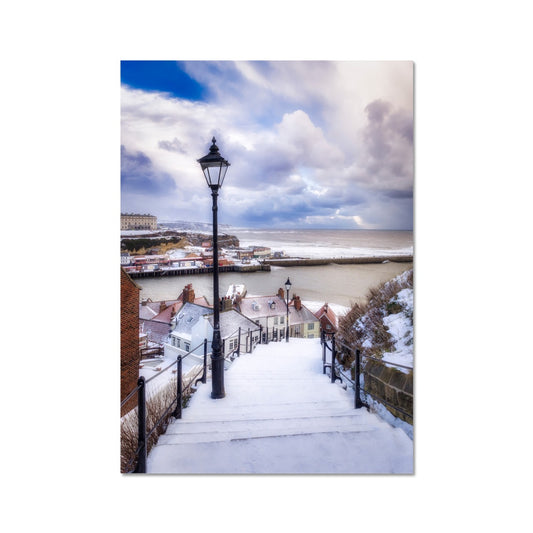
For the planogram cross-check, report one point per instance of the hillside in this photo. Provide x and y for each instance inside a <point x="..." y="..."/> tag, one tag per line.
<point x="383" y="326"/>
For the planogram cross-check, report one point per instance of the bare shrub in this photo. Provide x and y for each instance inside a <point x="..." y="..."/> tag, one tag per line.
<point x="157" y="403"/>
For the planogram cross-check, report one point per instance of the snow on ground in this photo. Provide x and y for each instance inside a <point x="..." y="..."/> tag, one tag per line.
<point x="401" y="329"/>
<point x="152" y="369"/>
<point x="281" y="414"/>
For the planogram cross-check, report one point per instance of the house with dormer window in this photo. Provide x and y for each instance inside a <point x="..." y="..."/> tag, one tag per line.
<point x="269" y="312"/>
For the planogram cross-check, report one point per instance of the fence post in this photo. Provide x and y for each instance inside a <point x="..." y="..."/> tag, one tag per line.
<point x="323" y="353"/>
<point x="239" y="344"/>
<point x="358" y="402"/>
<point x="204" y="377"/>
<point x="260" y="334"/>
<point x="141" y="414"/>
<point x="179" y="391"/>
<point x="332" y="359"/>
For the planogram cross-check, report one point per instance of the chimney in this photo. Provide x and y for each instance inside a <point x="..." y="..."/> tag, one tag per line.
<point x="188" y="294"/>
<point x="281" y="293"/>
<point x="227" y="304"/>
<point x="297" y="303"/>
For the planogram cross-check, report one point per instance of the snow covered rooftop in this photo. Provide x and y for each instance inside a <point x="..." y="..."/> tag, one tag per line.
<point x="188" y="316"/>
<point x="231" y="321"/>
<point x="261" y="306"/>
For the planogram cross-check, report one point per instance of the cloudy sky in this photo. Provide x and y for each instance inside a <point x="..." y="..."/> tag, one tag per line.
<point x="311" y="144"/>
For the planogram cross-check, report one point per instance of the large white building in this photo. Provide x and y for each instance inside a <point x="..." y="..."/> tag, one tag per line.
<point x="134" y="221"/>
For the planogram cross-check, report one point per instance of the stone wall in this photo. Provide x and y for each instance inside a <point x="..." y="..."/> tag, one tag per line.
<point x="340" y="261"/>
<point x="391" y="384"/>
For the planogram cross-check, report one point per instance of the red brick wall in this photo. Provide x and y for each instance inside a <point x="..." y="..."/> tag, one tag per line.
<point x="129" y="339"/>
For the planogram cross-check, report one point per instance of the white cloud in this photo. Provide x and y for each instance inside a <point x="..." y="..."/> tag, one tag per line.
<point x="299" y="135"/>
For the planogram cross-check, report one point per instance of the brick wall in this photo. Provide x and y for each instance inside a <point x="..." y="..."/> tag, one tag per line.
<point x="129" y="339"/>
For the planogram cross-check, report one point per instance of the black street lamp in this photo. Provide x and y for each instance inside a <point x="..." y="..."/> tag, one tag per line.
<point x="288" y="287"/>
<point x="214" y="167"/>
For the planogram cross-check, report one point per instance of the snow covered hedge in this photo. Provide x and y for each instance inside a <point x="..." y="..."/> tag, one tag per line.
<point x="383" y="326"/>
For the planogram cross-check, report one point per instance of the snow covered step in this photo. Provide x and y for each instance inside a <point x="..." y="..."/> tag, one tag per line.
<point x="257" y="433"/>
<point x="232" y="430"/>
<point x="373" y="452"/>
<point x="266" y="411"/>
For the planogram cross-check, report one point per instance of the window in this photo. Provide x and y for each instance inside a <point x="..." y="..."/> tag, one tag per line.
<point x="282" y="320"/>
<point x="187" y="346"/>
<point x="275" y="321"/>
<point x="310" y="326"/>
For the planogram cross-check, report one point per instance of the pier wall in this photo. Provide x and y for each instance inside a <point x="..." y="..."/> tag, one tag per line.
<point x="340" y="261"/>
<point x="193" y="271"/>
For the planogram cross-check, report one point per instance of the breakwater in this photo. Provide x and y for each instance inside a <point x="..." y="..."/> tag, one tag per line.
<point x="288" y="262"/>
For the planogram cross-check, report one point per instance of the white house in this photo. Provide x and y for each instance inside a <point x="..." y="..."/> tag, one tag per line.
<point x="231" y="322"/>
<point x="194" y="323"/>
<point x="270" y="312"/>
<point x="187" y="334"/>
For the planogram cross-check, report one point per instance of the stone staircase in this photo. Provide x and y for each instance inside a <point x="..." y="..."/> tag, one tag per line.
<point x="280" y="415"/>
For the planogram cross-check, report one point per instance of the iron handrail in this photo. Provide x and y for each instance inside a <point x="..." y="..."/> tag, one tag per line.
<point x="350" y="349"/>
<point x="129" y="396"/>
<point x="167" y="410"/>
<point x="173" y="363"/>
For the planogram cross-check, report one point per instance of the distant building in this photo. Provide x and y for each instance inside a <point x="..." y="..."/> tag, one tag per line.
<point x="262" y="251"/>
<point x="138" y="222"/>
<point x="125" y="258"/>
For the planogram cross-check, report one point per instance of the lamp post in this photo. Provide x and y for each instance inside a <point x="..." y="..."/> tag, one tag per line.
<point x="288" y="287"/>
<point x="214" y="167"/>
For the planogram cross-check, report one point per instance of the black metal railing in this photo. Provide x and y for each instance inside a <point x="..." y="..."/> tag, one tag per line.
<point x="337" y="372"/>
<point x="183" y="390"/>
<point x="173" y="408"/>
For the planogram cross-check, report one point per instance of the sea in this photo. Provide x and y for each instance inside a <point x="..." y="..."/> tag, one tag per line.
<point x="339" y="285"/>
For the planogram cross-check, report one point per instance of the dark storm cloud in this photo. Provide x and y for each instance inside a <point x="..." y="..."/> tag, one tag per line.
<point x="138" y="175"/>
<point x="386" y="163"/>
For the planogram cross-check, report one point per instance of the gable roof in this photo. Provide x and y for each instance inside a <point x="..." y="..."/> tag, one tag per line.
<point x="327" y="313"/>
<point x="262" y="306"/>
<point x="301" y="316"/>
<point x="231" y="321"/>
<point x="188" y="316"/>
<point x="157" y="331"/>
